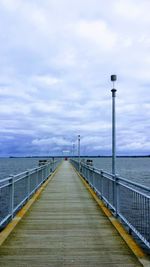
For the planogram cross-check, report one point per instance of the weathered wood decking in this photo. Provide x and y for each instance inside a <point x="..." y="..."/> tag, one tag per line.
<point x="65" y="227"/>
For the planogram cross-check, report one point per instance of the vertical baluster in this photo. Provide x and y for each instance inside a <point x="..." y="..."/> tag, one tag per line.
<point x="117" y="196"/>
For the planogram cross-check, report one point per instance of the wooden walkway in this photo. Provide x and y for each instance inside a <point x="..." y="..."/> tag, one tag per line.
<point x="65" y="227"/>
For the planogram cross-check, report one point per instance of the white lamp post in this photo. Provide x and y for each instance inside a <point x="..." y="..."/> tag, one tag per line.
<point x="113" y="79"/>
<point x="79" y="151"/>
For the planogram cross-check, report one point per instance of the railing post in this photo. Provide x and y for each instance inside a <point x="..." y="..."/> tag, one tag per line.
<point x="92" y="175"/>
<point x="48" y="170"/>
<point x="83" y="173"/>
<point x="43" y="178"/>
<point x="102" y="184"/>
<point x="37" y="180"/>
<point x="81" y="167"/>
<point x="28" y="184"/>
<point x="43" y="174"/>
<point x="116" y="195"/>
<point x="12" y="196"/>
<point x="93" y="178"/>
<point x="51" y="168"/>
<point x="88" y="176"/>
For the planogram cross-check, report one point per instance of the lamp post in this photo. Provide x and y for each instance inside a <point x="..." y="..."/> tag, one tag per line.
<point x="73" y="148"/>
<point x="113" y="79"/>
<point x="79" y="151"/>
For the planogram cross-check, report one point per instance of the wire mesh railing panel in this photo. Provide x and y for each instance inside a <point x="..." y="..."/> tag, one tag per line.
<point x="135" y="209"/>
<point x="97" y="182"/>
<point x="107" y="189"/>
<point x="39" y="177"/>
<point x="16" y="190"/>
<point x="128" y="200"/>
<point x="33" y="181"/>
<point x="20" y="191"/>
<point x="5" y="201"/>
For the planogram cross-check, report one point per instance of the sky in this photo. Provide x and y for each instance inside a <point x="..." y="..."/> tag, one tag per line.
<point x="56" y="58"/>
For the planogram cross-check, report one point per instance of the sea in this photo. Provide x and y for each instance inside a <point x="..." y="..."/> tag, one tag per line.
<point x="134" y="169"/>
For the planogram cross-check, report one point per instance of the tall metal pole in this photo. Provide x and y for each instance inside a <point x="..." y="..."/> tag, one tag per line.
<point x="73" y="147"/>
<point x="79" y="151"/>
<point x="113" y="79"/>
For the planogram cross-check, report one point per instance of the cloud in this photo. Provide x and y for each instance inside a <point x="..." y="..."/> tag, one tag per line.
<point x="51" y="141"/>
<point x="137" y="9"/>
<point x="45" y="80"/>
<point x="55" y="69"/>
<point x="98" y="33"/>
<point x="10" y="5"/>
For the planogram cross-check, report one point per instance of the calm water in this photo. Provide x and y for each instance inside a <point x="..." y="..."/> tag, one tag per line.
<point x="16" y="165"/>
<point x="135" y="169"/>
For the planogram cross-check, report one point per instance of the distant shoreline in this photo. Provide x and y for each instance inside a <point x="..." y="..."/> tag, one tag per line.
<point x="86" y="156"/>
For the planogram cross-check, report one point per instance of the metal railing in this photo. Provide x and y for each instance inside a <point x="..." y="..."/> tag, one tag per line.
<point x="16" y="190"/>
<point x="129" y="201"/>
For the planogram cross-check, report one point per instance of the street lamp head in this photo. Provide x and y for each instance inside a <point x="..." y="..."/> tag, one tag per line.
<point x="113" y="78"/>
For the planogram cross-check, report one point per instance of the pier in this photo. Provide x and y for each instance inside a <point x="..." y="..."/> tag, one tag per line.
<point x="65" y="226"/>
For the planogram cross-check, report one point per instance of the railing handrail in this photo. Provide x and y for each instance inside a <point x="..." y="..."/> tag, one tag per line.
<point x="29" y="171"/>
<point x="143" y="187"/>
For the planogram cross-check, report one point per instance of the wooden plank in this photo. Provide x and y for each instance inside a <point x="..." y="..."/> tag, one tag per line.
<point x="65" y="227"/>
